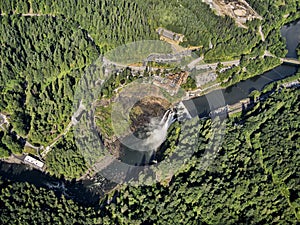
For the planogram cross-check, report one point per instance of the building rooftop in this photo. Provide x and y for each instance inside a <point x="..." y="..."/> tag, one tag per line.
<point x="170" y="35"/>
<point x="33" y="161"/>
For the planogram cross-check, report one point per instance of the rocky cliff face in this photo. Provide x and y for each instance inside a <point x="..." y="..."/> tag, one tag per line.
<point x="147" y="110"/>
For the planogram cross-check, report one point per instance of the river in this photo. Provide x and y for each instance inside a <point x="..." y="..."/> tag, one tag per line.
<point x="89" y="191"/>
<point x="85" y="191"/>
<point x="204" y="104"/>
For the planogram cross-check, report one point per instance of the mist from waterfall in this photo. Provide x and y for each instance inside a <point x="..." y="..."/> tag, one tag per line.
<point x="159" y="134"/>
<point x="140" y="149"/>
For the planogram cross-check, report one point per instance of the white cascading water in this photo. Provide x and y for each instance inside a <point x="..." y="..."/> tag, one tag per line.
<point x="162" y="121"/>
<point x="159" y="134"/>
<point x="156" y="134"/>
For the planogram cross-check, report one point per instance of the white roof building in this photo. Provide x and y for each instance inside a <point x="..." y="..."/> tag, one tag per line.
<point x="33" y="161"/>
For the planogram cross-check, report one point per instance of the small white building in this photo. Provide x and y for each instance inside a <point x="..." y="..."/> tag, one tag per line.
<point x="34" y="162"/>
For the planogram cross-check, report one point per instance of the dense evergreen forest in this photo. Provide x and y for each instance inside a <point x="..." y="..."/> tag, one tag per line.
<point x="45" y="48"/>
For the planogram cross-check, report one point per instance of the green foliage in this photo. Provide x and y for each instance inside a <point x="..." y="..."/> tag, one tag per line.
<point x="103" y="120"/>
<point x="39" y="70"/>
<point x="12" y="143"/>
<point x="65" y="159"/>
<point x="109" y="23"/>
<point x="22" y="203"/>
<point x="4" y="151"/>
<point x="190" y="84"/>
<point x="113" y="23"/>
<point x="275" y="14"/>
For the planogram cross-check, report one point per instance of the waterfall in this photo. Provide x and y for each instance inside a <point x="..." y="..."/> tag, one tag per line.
<point x="156" y="134"/>
<point x="159" y="134"/>
<point x="164" y="117"/>
<point x="169" y="120"/>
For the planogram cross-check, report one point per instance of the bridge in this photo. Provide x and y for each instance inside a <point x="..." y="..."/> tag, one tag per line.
<point x="290" y="61"/>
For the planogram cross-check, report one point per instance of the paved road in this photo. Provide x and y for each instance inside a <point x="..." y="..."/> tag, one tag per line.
<point x="30" y="14"/>
<point x="283" y="60"/>
<point x="73" y="122"/>
<point x="213" y="66"/>
<point x="290" y="61"/>
<point x="261" y="33"/>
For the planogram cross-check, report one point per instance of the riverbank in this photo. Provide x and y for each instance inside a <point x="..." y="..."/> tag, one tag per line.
<point x="13" y="159"/>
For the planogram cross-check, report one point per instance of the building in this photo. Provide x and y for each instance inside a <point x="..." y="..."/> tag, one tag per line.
<point x="169" y="35"/>
<point x="171" y="83"/>
<point x="32" y="161"/>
